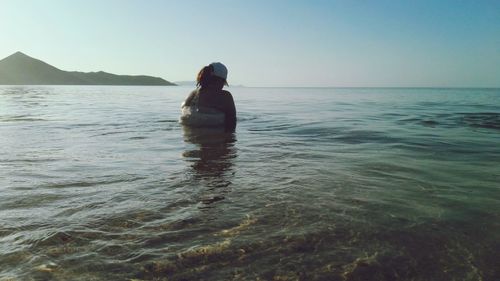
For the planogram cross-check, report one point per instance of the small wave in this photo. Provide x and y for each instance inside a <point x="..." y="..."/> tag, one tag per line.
<point x="317" y="132"/>
<point x="273" y="127"/>
<point x="92" y="183"/>
<point x="21" y="118"/>
<point x="167" y="121"/>
<point x="28" y="160"/>
<point x="366" y="136"/>
<point x="111" y="133"/>
<point x="429" y="123"/>
<point x="393" y="115"/>
<point x="29" y="201"/>
<point x="427" y="104"/>
<point x="83" y="125"/>
<point x="247" y="117"/>
<point x="486" y="120"/>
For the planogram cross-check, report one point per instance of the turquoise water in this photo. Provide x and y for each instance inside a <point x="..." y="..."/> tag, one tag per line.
<point x="102" y="183"/>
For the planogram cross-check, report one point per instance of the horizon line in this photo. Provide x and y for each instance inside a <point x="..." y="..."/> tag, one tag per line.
<point x="277" y="87"/>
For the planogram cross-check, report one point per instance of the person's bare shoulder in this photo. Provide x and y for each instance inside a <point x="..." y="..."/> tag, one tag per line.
<point x="227" y="95"/>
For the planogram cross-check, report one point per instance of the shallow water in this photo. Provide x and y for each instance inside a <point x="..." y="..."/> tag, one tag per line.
<point x="102" y="183"/>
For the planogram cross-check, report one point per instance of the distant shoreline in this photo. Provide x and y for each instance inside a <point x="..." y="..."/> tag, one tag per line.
<point x="262" y="87"/>
<point x="21" y="69"/>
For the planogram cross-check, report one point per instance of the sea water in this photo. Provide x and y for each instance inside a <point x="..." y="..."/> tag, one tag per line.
<point x="102" y="183"/>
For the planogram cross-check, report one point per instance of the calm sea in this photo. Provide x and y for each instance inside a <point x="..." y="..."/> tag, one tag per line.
<point x="102" y="183"/>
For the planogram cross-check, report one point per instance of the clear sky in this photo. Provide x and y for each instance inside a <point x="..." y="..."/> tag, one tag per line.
<point x="265" y="42"/>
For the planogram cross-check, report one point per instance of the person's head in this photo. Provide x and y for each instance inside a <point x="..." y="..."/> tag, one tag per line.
<point x="212" y="75"/>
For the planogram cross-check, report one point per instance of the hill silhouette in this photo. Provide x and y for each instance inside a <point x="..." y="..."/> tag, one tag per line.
<point x="20" y="69"/>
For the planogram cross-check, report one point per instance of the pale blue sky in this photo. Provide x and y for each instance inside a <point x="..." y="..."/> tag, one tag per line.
<point x="265" y="43"/>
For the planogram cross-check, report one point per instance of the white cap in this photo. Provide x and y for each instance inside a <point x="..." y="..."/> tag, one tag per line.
<point x="220" y="70"/>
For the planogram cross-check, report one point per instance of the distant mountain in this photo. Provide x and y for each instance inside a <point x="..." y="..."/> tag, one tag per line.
<point x="20" y="69"/>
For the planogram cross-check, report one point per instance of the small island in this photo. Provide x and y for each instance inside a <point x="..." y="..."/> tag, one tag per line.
<point x="20" y="69"/>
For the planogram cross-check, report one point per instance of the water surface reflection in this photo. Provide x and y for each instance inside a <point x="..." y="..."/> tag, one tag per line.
<point x="211" y="160"/>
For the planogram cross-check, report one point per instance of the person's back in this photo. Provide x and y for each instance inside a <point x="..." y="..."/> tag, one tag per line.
<point x="209" y="105"/>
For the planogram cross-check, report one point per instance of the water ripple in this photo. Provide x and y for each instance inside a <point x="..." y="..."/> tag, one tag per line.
<point x="102" y="183"/>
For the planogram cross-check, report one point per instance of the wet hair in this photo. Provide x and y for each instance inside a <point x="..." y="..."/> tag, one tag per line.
<point x="206" y="78"/>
